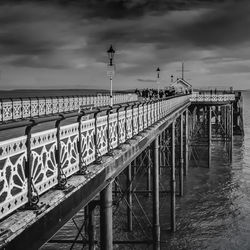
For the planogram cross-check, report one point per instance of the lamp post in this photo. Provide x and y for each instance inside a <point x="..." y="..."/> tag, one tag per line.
<point x="158" y="80"/>
<point x="111" y="71"/>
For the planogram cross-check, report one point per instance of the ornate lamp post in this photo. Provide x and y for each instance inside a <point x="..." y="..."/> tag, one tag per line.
<point x="111" y="71"/>
<point x="158" y="80"/>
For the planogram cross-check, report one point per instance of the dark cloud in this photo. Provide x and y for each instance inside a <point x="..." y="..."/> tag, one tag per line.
<point x="37" y="35"/>
<point x="237" y="67"/>
<point x="223" y="26"/>
<point x="75" y="34"/>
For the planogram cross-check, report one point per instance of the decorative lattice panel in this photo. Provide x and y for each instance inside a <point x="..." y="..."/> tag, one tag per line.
<point x="55" y="105"/>
<point x="34" y="108"/>
<point x="26" y="108"/>
<point x="113" y="138"/>
<point x="13" y="183"/>
<point x="145" y="116"/>
<point x="140" y="118"/>
<point x="121" y="127"/>
<point x="42" y="107"/>
<point x="69" y="154"/>
<point x="102" y="142"/>
<point x="43" y="160"/>
<point x="129" y="120"/>
<point x="88" y="141"/>
<point x="17" y="109"/>
<point x="135" y="121"/>
<point x="49" y="108"/>
<point x="7" y="110"/>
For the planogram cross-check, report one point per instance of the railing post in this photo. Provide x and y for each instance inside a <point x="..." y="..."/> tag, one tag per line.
<point x="62" y="179"/>
<point x="82" y="164"/>
<point x="98" y="158"/>
<point x="126" y="125"/>
<point x="33" y="197"/>
<point x="110" y="149"/>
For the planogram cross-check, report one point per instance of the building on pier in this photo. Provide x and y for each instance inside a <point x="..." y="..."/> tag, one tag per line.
<point x="181" y="86"/>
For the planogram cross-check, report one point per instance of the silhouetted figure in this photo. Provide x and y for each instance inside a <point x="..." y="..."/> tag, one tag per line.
<point x="160" y="93"/>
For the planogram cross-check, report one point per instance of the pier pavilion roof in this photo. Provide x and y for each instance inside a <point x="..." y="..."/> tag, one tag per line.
<point x="181" y="83"/>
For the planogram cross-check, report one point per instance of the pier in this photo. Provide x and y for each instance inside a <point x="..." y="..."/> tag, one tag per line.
<point x="96" y="158"/>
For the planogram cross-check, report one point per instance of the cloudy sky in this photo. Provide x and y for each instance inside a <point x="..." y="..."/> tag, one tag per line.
<point x="63" y="43"/>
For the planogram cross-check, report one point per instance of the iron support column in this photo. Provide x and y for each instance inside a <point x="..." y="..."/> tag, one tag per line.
<point x="134" y="167"/>
<point x="216" y="118"/>
<point x="160" y="151"/>
<point x="181" y="157"/>
<point x="129" y="198"/>
<point x="148" y="162"/>
<point x="163" y="152"/>
<point x="91" y="226"/>
<point x="186" y="144"/>
<point x="209" y="136"/>
<point x="173" y="182"/>
<point x="232" y="132"/>
<point x="116" y="187"/>
<point x="156" y="205"/>
<point x="106" y="232"/>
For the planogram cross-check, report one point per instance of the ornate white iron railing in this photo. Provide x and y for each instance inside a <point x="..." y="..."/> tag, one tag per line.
<point x="32" y="164"/>
<point x="206" y="97"/>
<point x="33" y="107"/>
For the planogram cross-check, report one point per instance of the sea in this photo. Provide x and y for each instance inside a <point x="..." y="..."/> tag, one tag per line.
<point x="214" y="213"/>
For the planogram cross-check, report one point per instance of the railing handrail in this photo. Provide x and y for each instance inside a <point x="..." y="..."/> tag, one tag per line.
<point x="22" y="108"/>
<point x="47" y="158"/>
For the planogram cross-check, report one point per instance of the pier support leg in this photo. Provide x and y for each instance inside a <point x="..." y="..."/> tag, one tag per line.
<point x="181" y="158"/>
<point x="186" y="144"/>
<point x="91" y="226"/>
<point x="149" y="181"/>
<point x="116" y="187"/>
<point x="134" y="168"/>
<point x="163" y="151"/>
<point x="231" y="131"/>
<point x="216" y="112"/>
<point x="173" y="182"/>
<point x="160" y="151"/>
<point x="129" y="198"/>
<point x="106" y="232"/>
<point x="156" y="200"/>
<point x="209" y="136"/>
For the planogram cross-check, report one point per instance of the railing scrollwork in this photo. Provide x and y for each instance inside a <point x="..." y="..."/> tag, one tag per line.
<point x="32" y="164"/>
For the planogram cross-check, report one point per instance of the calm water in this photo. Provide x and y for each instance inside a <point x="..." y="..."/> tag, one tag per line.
<point x="215" y="210"/>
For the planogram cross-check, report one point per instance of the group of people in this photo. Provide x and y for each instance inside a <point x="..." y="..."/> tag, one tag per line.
<point x="153" y="93"/>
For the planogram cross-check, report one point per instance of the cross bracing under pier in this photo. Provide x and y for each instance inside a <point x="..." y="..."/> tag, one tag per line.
<point x="128" y="160"/>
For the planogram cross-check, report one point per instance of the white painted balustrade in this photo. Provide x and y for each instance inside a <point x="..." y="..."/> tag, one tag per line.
<point x="206" y="97"/>
<point x="32" y="107"/>
<point x="32" y="164"/>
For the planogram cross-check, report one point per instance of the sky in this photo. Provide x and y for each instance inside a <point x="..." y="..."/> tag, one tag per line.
<point x="63" y="43"/>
